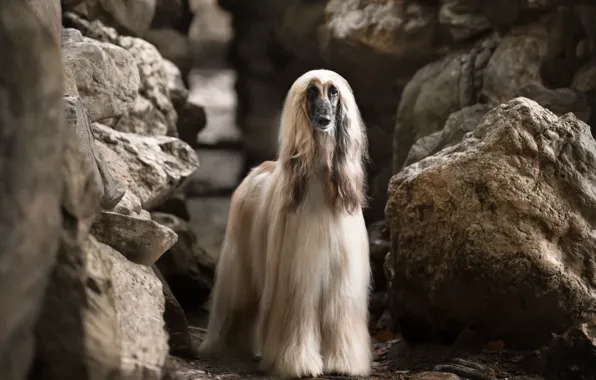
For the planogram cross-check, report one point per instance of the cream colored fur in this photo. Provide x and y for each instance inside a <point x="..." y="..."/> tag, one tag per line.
<point x="292" y="284"/>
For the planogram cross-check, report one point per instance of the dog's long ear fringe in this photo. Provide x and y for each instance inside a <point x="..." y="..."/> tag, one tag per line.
<point x="297" y="152"/>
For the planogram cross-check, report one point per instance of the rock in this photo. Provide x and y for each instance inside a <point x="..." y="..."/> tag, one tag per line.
<point x="70" y="85"/>
<point x="462" y="19"/>
<point x="559" y="101"/>
<point x="572" y="355"/>
<point x="140" y="306"/>
<point x="150" y="167"/>
<point x="179" y="337"/>
<point x="78" y="334"/>
<point x="585" y="78"/>
<point x="457" y="125"/>
<point x="187" y="268"/>
<point x="143" y="119"/>
<point x="483" y="233"/>
<point x="503" y="13"/>
<point x="191" y="116"/>
<point x="107" y="78"/>
<point x="130" y="16"/>
<point x="173" y="46"/>
<point x="31" y="155"/>
<point x="434" y="92"/>
<point x="434" y="376"/>
<point x="515" y="62"/>
<point x="379" y="36"/>
<point x="378" y="239"/>
<point x="153" y="78"/>
<point x="78" y="121"/>
<point x="211" y="31"/>
<point x="140" y="240"/>
<point x="50" y="13"/>
<point x="175" y="205"/>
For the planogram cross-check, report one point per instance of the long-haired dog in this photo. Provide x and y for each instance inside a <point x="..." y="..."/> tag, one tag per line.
<point x="293" y="277"/>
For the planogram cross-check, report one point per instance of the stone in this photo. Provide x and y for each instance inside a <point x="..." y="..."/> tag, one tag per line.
<point x="434" y="376"/>
<point x="31" y="156"/>
<point x="462" y="19"/>
<point x="143" y="119"/>
<point x="49" y="13"/>
<point x="572" y="355"/>
<point x="139" y="239"/>
<point x="375" y="35"/>
<point x="457" y="125"/>
<point x="78" y="333"/>
<point x="149" y="63"/>
<point x="515" y="62"/>
<point x="179" y="339"/>
<point x="435" y="92"/>
<point x="173" y="46"/>
<point x="70" y="85"/>
<point x="151" y="167"/>
<point x="191" y="115"/>
<point x="495" y="233"/>
<point x="187" y="268"/>
<point x="130" y="16"/>
<point x="107" y="78"/>
<point x="78" y="121"/>
<point x="140" y="307"/>
<point x="559" y="101"/>
<point x="173" y="13"/>
<point x="378" y="240"/>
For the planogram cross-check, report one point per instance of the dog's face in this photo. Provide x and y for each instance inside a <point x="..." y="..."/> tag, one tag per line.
<point x="322" y="101"/>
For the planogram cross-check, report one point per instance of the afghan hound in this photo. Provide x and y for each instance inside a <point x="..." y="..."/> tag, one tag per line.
<point x="293" y="278"/>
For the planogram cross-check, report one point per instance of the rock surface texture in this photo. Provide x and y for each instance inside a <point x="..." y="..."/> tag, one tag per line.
<point x="496" y="233"/>
<point x="31" y="155"/>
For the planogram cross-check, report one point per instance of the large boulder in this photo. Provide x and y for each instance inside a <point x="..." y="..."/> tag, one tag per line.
<point x="31" y="156"/>
<point x="437" y="90"/>
<point x="496" y="233"/>
<point x="106" y="76"/>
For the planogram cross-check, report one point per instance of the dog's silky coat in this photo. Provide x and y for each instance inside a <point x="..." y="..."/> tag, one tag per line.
<point x="293" y="277"/>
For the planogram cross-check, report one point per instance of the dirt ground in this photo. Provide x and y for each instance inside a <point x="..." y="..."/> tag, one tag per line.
<point x="394" y="359"/>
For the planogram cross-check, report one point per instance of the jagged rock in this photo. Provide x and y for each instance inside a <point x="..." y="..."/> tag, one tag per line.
<point x="503" y="13"/>
<point x="559" y="101"/>
<point x="179" y="337"/>
<point x="222" y="171"/>
<point x="31" y="155"/>
<point x="140" y="307"/>
<point x="572" y="355"/>
<point x="143" y="119"/>
<point x="434" y="92"/>
<point x="187" y="268"/>
<point x="140" y="240"/>
<point x="153" y="78"/>
<point x="495" y="233"/>
<point x="70" y="85"/>
<point x="106" y="76"/>
<point x="150" y="167"/>
<point x="176" y="204"/>
<point x="78" y="121"/>
<point x="585" y="78"/>
<point x="131" y="16"/>
<point x="457" y="125"/>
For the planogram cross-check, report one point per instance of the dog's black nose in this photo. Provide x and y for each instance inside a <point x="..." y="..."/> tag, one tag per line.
<point x="323" y="120"/>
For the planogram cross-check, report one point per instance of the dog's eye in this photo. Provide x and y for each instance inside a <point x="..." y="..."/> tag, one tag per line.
<point x="312" y="92"/>
<point x="332" y="90"/>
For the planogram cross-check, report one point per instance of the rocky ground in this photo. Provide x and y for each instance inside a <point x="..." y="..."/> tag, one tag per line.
<point x="480" y="117"/>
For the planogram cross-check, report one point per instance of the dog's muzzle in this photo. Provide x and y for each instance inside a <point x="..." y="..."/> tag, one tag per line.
<point x="322" y="115"/>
